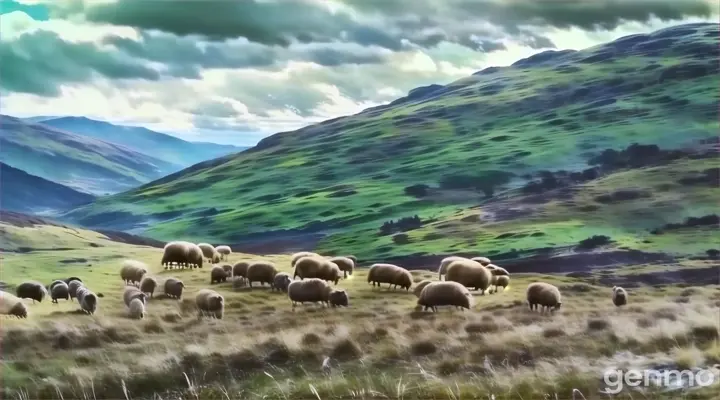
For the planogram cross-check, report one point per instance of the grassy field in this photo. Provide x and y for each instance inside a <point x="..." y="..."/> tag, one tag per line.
<point x="379" y="347"/>
<point x="469" y="146"/>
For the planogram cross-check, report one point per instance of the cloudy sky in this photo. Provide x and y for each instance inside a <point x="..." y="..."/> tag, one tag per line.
<point x="234" y="71"/>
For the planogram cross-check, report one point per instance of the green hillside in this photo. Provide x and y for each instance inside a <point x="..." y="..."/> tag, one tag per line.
<point x="616" y="140"/>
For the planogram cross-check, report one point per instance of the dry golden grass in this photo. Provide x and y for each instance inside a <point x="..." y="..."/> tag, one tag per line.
<point x="380" y="347"/>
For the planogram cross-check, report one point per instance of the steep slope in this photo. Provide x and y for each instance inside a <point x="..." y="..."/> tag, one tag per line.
<point x="159" y="145"/>
<point x="543" y="150"/>
<point x="80" y="162"/>
<point x="31" y="194"/>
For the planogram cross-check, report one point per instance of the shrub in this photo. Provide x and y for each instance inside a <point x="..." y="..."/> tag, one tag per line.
<point x="346" y="350"/>
<point x="553" y="332"/>
<point x="423" y="348"/>
<point x="593" y="242"/>
<point x="598" y="324"/>
<point x="419" y="190"/>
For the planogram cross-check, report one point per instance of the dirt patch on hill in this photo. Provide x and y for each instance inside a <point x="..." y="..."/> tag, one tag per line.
<point x="24" y="220"/>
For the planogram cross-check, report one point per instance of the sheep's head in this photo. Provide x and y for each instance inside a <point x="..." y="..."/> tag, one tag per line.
<point x="557" y="306"/>
<point x="216" y="301"/>
<point x="19" y="310"/>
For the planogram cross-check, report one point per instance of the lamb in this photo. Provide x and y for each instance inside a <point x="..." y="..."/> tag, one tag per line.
<point x="447" y="293"/>
<point x="317" y="267"/>
<point x="130" y="293"/>
<point x="88" y="300"/>
<point x="228" y="270"/>
<point x="224" y="251"/>
<point x="208" y="250"/>
<point x="339" y="298"/>
<point x="545" y="295"/>
<point x="311" y="290"/>
<point x="73" y="287"/>
<point x="31" y="290"/>
<point x="420" y="286"/>
<point x="470" y="274"/>
<point x="210" y="303"/>
<point x="148" y="285"/>
<point x="136" y="309"/>
<point x="390" y="274"/>
<point x="132" y="271"/>
<point x="217" y="275"/>
<point x="12" y="305"/>
<point x="619" y="296"/>
<point x="281" y="281"/>
<point x="173" y="288"/>
<point x="261" y="271"/>
<point x="445" y="263"/>
<point x="175" y="252"/>
<point x="297" y="256"/>
<point x="59" y="290"/>
<point x="500" y="281"/>
<point x="345" y="264"/>
<point x="240" y="268"/>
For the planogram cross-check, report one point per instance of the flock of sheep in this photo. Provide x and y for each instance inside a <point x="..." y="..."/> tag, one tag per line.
<point x="316" y="275"/>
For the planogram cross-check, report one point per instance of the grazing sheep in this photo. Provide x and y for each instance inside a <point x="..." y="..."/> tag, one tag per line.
<point x="31" y="290"/>
<point x="545" y="295"/>
<point x="208" y="250"/>
<point x="447" y="293"/>
<point x="345" y="264"/>
<point x="216" y="258"/>
<point x="482" y="260"/>
<point x="55" y="282"/>
<point x="339" y="298"/>
<point x="12" y="305"/>
<point x="173" y="288"/>
<point x="281" y="281"/>
<point x="228" y="270"/>
<point x="224" y="251"/>
<point x="217" y="275"/>
<point x="73" y="287"/>
<point x="175" y="252"/>
<point x="495" y="270"/>
<point x="148" y="285"/>
<point x="620" y="296"/>
<point x="445" y="263"/>
<point x="59" y="290"/>
<point x="420" y="286"/>
<point x="210" y="303"/>
<point x="132" y="271"/>
<point x="72" y="278"/>
<point x="317" y="267"/>
<point x="136" y="309"/>
<point x="500" y="281"/>
<point x="239" y="270"/>
<point x="470" y="274"/>
<point x="88" y="300"/>
<point x="130" y="293"/>
<point x="390" y="274"/>
<point x="193" y="255"/>
<point x="261" y="271"/>
<point x="297" y="256"/>
<point x="311" y="290"/>
<point x="353" y="258"/>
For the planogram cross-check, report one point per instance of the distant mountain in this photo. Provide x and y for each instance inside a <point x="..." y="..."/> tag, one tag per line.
<point x="155" y="144"/>
<point x="80" y="162"/>
<point x="22" y="192"/>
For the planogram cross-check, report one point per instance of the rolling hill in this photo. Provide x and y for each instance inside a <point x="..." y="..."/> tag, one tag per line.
<point x="27" y="193"/>
<point x="82" y="163"/>
<point x="158" y="145"/>
<point x="610" y="147"/>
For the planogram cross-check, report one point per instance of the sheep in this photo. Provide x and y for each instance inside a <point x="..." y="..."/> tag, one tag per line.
<point x="619" y="296"/>
<point x="297" y="256"/>
<point x="261" y="271"/>
<point x="132" y="271"/>
<point x="59" y="290"/>
<point x="73" y="287"/>
<point x="216" y="258"/>
<point x="148" y="285"/>
<point x="12" y="305"/>
<point x="339" y="298"/>
<point x="136" y="309"/>
<point x="470" y="274"/>
<point x="497" y="271"/>
<point x="482" y="260"/>
<point x="353" y="258"/>
<point x="72" y="278"/>
<point x="194" y="255"/>
<point x="281" y="281"/>
<point x="345" y="264"/>
<point x="317" y="267"/>
<point x="390" y="274"/>
<point x="228" y="270"/>
<point x="239" y="270"/>
<point x="224" y="251"/>
<point x="173" y="288"/>
<point x="130" y="293"/>
<point x="445" y="263"/>
<point x="311" y="290"/>
<point x="55" y="282"/>
<point x="445" y="293"/>
<point x="500" y="281"/>
<point x="175" y="252"/>
<point x="217" y="275"/>
<point x="208" y="251"/>
<point x="420" y="286"/>
<point x="210" y="303"/>
<point x="88" y="300"/>
<point x="545" y="295"/>
<point x="31" y="290"/>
